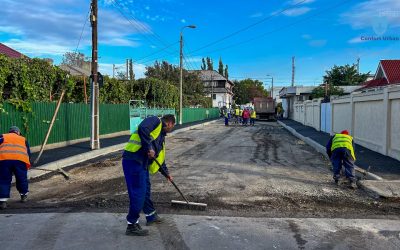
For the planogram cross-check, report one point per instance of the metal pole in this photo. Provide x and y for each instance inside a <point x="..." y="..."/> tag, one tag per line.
<point x="113" y="70"/>
<point x="94" y="141"/>
<point x="180" y="78"/>
<point x="272" y="89"/>
<point x="293" y="70"/>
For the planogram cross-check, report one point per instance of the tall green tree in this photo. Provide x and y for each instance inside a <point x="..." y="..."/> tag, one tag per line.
<point x="210" y="63"/>
<point x="203" y="64"/>
<point x="226" y="73"/>
<point x="220" y="67"/>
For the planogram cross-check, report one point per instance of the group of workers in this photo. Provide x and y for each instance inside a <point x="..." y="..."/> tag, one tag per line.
<point x="144" y="154"/>
<point x="240" y="116"/>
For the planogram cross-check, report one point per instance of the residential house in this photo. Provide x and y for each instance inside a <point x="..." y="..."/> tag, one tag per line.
<point x="292" y="95"/>
<point x="387" y="73"/>
<point x="12" y="53"/>
<point x="217" y="87"/>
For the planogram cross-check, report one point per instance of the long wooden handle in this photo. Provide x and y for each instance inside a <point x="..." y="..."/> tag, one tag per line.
<point x="173" y="183"/>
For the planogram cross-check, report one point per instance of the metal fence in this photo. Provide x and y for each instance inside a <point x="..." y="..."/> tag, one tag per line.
<point x="73" y="120"/>
<point x="199" y="114"/>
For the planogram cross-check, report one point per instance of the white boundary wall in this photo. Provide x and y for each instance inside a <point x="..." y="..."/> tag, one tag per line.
<point x="308" y="113"/>
<point x="372" y="118"/>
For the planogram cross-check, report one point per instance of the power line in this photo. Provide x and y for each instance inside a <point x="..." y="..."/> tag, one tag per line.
<point x="248" y="27"/>
<point x="83" y="28"/>
<point x="276" y="30"/>
<point x="154" y="53"/>
<point x="137" y="27"/>
<point x="138" y="23"/>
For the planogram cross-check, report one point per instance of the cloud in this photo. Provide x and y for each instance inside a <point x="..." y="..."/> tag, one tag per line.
<point x="317" y="43"/>
<point x="314" y="42"/>
<point x="356" y="40"/>
<point x="294" y="2"/>
<point x="296" y="11"/>
<point x="39" y="28"/>
<point x="372" y="14"/>
<point x="255" y="15"/>
<point x="183" y="21"/>
<point x="10" y="30"/>
<point x="36" y="49"/>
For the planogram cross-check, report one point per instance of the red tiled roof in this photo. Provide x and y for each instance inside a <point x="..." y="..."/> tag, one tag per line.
<point x="392" y="70"/>
<point x="374" y="83"/>
<point x="10" y="52"/>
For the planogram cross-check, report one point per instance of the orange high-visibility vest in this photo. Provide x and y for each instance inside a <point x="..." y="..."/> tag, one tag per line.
<point x="14" y="148"/>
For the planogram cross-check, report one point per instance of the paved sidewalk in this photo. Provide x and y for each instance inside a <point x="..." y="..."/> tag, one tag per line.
<point x="56" y="154"/>
<point x="381" y="165"/>
<point x="107" y="231"/>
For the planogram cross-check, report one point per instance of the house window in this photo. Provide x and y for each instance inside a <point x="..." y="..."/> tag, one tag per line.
<point x="214" y="96"/>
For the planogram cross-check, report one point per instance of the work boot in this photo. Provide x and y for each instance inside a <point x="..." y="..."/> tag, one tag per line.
<point x="157" y="220"/>
<point x="3" y="205"/>
<point x="352" y="185"/>
<point x="24" y="198"/>
<point x="136" y="230"/>
<point x="336" y="182"/>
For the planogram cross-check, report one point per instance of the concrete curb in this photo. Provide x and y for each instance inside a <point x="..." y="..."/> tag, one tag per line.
<point x="34" y="173"/>
<point x="321" y="149"/>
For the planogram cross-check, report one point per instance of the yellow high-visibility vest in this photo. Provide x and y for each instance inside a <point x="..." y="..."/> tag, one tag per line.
<point x="240" y="112"/>
<point x="135" y="143"/>
<point x="343" y="141"/>
<point x="236" y="111"/>
<point x="253" y="114"/>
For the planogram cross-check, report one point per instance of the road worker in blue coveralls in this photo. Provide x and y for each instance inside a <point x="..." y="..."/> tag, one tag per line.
<point x="145" y="144"/>
<point x="340" y="150"/>
<point x="14" y="159"/>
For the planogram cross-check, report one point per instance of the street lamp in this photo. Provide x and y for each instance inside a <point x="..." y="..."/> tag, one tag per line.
<point x="272" y="84"/>
<point x="180" y="69"/>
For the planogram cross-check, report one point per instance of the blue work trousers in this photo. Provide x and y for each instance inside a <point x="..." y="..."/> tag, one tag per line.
<point x="7" y="169"/>
<point x="252" y="120"/>
<point x="342" y="157"/>
<point x="139" y="190"/>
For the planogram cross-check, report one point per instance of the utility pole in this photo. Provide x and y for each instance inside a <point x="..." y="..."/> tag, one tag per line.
<point x="181" y="70"/>
<point x="127" y="69"/>
<point x="131" y="74"/>
<point x="180" y="76"/>
<point x="272" y="86"/>
<point x="113" y="70"/>
<point x="95" y="138"/>
<point x="212" y="89"/>
<point x="293" y="70"/>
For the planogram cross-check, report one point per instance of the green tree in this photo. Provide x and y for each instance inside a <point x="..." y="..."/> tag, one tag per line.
<point x="220" y="67"/>
<point x="344" y="76"/>
<point x="226" y="74"/>
<point x="319" y="91"/>
<point x="203" y="64"/>
<point x="193" y="88"/>
<point x="245" y="90"/>
<point x="114" y="91"/>
<point x="210" y="63"/>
